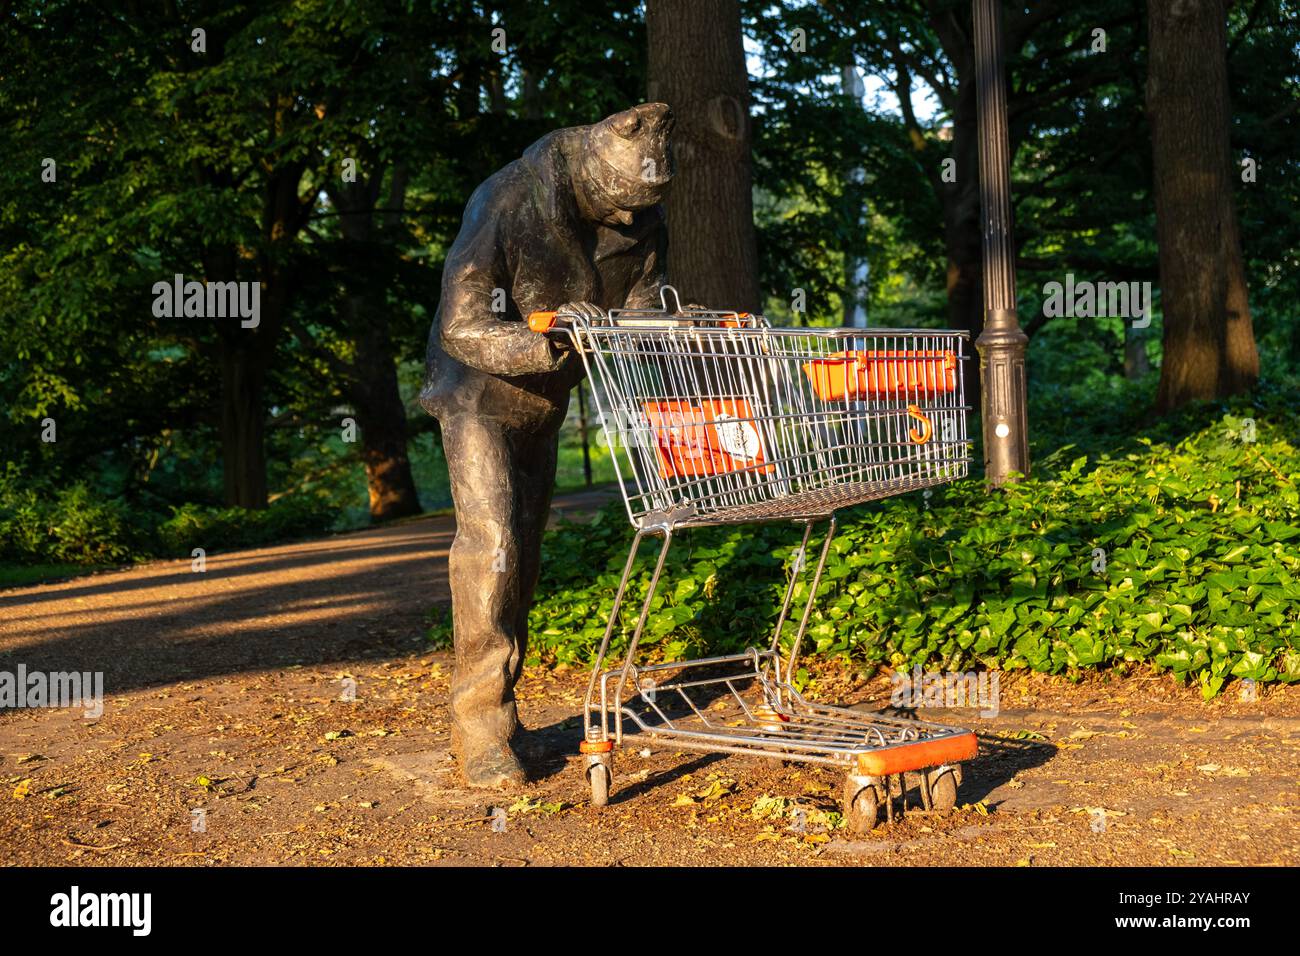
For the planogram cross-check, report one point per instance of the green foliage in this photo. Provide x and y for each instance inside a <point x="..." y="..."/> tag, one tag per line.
<point x="21" y="575"/>
<point x="1201" y="536"/>
<point x="73" y="527"/>
<point x="64" y="526"/>
<point x="223" y="529"/>
<point x="221" y="164"/>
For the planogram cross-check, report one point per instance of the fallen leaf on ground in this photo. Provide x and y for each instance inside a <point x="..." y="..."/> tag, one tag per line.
<point x="717" y="790"/>
<point x="1021" y="735"/>
<point x="768" y="808"/>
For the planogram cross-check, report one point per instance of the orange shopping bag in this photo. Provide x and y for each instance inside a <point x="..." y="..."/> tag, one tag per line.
<point x="713" y="437"/>
<point x="846" y="376"/>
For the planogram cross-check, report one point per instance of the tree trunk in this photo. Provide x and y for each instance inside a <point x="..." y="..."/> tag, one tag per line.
<point x="1209" y="343"/>
<point x="381" y="415"/>
<point x="373" y="388"/>
<point x="697" y="66"/>
<point x="242" y="425"/>
<point x="243" y="428"/>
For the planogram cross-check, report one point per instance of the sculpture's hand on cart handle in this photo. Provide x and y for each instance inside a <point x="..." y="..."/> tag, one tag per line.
<point x="545" y="321"/>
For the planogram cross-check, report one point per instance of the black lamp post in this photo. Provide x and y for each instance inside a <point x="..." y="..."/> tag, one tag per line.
<point x="1001" y="344"/>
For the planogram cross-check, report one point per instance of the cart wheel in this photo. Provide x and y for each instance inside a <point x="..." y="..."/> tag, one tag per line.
<point x="943" y="791"/>
<point x="599" y="775"/>
<point x="861" y="807"/>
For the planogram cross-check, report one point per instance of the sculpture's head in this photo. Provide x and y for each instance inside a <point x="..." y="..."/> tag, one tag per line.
<point x="625" y="162"/>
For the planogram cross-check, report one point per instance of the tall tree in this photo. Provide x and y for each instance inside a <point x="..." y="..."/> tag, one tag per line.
<point x="1209" y="342"/>
<point x="697" y="66"/>
<point x="371" y="376"/>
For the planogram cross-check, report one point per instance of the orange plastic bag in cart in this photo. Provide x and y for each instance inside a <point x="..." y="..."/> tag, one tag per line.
<point x="868" y="374"/>
<point x="713" y="437"/>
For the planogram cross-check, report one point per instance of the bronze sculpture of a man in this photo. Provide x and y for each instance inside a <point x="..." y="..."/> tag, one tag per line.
<point x="574" y="223"/>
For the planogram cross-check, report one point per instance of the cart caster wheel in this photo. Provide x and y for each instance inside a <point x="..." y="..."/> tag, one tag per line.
<point x="861" y="808"/>
<point x="598" y="775"/>
<point x="943" y="790"/>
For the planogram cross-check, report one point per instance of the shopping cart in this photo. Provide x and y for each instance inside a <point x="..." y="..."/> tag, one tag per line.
<point x="716" y="418"/>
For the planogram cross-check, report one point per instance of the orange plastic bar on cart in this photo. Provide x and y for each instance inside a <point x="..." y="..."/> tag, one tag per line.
<point x="541" y="321"/>
<point x="853" y="374"/>
<point x="918" y="756"/>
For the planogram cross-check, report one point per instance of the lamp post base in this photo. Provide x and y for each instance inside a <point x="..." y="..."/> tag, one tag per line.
<point x="1001" y="348"/>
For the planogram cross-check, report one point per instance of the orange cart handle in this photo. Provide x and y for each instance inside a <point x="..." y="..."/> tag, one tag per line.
<point x="923" y="436"/>
<point x="918" y="756"/>
<point x="542" y="321"/>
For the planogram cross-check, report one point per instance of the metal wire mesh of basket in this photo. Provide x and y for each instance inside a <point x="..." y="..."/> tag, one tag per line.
<point x="716" y="417"/>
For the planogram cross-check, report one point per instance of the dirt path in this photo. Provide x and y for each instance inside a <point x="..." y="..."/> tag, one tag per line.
<point x="225" y="738"/>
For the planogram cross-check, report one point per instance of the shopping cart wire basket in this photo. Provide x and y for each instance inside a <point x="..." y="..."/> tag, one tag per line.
<point x="715" y="417"/>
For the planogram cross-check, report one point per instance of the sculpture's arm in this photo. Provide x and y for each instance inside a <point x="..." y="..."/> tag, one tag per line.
<point x="476" y="336"/>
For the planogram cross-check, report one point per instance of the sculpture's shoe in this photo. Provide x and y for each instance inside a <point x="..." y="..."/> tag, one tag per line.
<point x="494" y="768"/>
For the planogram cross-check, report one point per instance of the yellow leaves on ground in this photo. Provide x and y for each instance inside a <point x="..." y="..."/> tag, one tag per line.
<point x="770" y="808"/>
<point x="717" y="788"/>
<point x="24" y="790"/>
<point x="526" y="804"/>
<point x="1173" y="850"/>
<point x="1098" y="811"/>
<point x="1214" y="770"/>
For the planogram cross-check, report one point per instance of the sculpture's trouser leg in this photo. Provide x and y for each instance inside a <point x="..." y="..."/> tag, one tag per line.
<point x="501" y="482"/>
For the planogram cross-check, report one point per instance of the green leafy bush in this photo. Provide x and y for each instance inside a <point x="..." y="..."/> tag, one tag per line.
<point x="64" y="526"/>
<point x="223" y="529"/>
<point x="41" y="524"/>
<point x="1198" y="570"/>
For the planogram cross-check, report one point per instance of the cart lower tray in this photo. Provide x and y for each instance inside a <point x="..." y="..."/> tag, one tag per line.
<point x="739" y="704"/>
